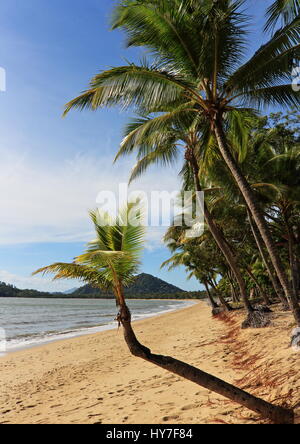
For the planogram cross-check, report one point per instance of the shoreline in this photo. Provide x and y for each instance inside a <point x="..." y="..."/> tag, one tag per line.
<point x="93" y="379"/>
<point x="72" y="334"/>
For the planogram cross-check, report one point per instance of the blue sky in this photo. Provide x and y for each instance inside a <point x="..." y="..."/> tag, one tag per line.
<point x="52" y="168"/>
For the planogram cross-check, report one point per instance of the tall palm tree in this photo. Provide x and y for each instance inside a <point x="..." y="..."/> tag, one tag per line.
<point x="110" y="262"/>
<point x="283" y="172"/>
<point x="256" y="165"/>
<point x="199" y="48"/>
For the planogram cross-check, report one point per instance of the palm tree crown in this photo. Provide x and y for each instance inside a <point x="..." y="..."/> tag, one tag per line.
<point x="111" y="260"/>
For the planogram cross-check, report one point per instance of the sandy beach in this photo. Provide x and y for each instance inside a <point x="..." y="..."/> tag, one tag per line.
<point x="93" y="379"/>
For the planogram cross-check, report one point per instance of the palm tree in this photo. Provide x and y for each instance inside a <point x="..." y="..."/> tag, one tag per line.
<point x="198" y="262"/>
<point x="110" y="262"/>
<point x="199" y="48"/>
<point x="265" y="260"/>
<point x="158" y="141"/>
<point x="283" y="172"/>
<point x="271" y="140"/>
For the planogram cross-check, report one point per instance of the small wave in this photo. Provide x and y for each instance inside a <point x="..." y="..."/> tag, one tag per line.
<point x="33" y="340"/>
<point x="28" y="340"/>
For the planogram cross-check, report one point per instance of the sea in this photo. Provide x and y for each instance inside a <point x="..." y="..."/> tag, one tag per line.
<point x="29" y="322"/>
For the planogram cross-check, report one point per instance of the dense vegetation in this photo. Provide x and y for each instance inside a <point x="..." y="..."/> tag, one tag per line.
<point x="10" y="291"/>
<point x="271" y="164"/>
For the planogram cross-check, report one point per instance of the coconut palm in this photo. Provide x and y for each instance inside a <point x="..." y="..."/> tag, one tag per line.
<point x="110" y="262"/>
<point x="282" y="173"/>
<point x="271" y="167"/>
<point x="112" y="259"/>
<point x="198" y="261"/>
<point x="198" y="48"/>
<point x="229" y="208"/>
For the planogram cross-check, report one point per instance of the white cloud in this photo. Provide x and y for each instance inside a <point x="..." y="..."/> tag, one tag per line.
<point x="49" y="202"/>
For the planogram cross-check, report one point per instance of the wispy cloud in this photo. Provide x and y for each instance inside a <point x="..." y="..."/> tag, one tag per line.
<point x="49" y="202"/>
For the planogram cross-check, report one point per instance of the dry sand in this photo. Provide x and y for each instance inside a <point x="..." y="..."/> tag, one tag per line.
<point x="94" y="379"/>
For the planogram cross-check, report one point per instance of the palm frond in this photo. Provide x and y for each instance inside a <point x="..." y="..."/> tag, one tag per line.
<point x="113" y="257"/>
<point x="281" y="95"/>
<point x="161" y="29"/>
<point x="164" y="155"/>
<point x="133" y="86"/>
<point x="272" y="63"/>
<point x="75" y="271"/>
<point x="282" y="10"/>
<point x="145" y="132"/>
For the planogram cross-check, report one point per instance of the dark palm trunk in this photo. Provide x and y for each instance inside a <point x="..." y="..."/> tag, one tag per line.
<point x="234" y="295"/>
<point x="211" y="299"/>
<point x="258" y="217"/>
<point x="218" y="235"/>
<point x="260" y="245"/>
<point x="277" y="414"/>
<point x="224" y="304"/>
<point x="293" y="263"/>
<point x="260" y="290"/>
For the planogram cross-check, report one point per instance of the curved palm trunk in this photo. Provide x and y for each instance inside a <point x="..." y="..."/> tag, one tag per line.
<point x="260" y="246"/>
<point x="293" y="264"/>
<point x="258" y="217"/>
<point x="234" y="295"/>
<point x="261" y="291"/>
<point x="277" y="414"/>
<point x="224" y="304"/>
<point x="211" y="299"/>
<point x="218" y="235"/>
<point x="235" y="299"/>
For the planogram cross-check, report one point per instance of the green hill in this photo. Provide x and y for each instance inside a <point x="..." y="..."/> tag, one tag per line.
<point x="9" y="291"/>
<point x="145" y="286"/>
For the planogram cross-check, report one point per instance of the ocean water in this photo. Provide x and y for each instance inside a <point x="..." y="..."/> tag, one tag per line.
<point x="30" y="322"/>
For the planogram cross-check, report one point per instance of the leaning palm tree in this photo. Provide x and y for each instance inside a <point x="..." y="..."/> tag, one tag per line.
<point x="199" y="47"/>
<point x="110" y="262"/>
